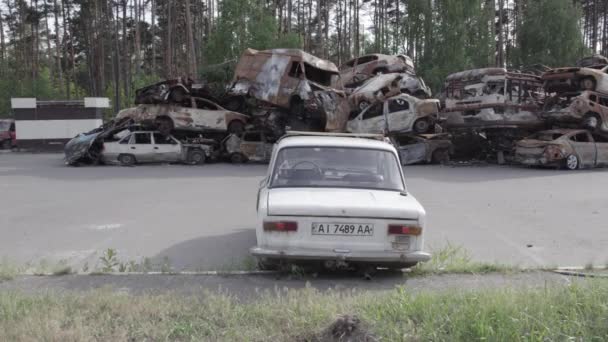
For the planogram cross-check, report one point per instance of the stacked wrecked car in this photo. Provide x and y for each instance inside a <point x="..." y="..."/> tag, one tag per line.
<point x="481" y="114"/>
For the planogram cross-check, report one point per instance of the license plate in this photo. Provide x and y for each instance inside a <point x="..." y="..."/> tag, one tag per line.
<point x="345" y="229"/>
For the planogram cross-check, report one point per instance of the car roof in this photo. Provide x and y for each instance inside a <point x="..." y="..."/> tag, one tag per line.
<point x="334" y="141"/>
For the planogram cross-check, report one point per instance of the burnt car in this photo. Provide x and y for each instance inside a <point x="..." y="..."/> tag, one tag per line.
<point x="250" y="146"/>
<point x="591" y="61"/>
<point x="86" y="148"/>
<point x="563" y="148"/>
<point x="153" y="147"/>
<point x="360" y="69"/>
<point x="172" y="91"/>
<point x="384" y="86"/>
<point x="568" y="79"/>
<point x="588" y="109"/>
<point x="307" y="87"/>
<point x="489" y="96"/>
<point x="201" y="115"/>
<point x="424" y="148"/>
<point x="7" y="134"/>
<point x="400" y="113"/>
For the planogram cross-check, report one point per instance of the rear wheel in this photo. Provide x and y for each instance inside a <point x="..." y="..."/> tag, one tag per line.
<point x="237" y="158"/>
<point x="572" y="162"/>
<point x="196" y="157"/>
<point x="422" y="126"/>
<point x="587" y="83"/>
<point x="363" y="104"/>
<point x="6" y="144"/>
<point x="126" y="159"/>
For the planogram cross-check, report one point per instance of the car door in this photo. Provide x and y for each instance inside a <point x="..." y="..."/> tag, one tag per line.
<point x="585" y="148"/>
<point x="166" y="148"/>
<point x="601" y="146"/>
<point x="372" y="119"/>
<point x="412" y="150"/>
<point x="252" y="146"/>
<point x="141" y="147"/>
<point x="400" y="115"/>
<point x="208" y="115"/>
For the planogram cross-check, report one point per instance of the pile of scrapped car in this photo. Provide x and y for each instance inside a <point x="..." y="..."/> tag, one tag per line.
<point x="480" y="114"/>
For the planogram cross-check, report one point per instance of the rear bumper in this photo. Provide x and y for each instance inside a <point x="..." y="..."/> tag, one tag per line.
<point x="536" y="161"/>
<point x="373" y="257"/>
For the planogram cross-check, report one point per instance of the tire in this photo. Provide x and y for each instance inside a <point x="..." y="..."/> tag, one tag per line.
<point x="196" y="157"/>
<point x="422" y="126"/>
<point x="236" y="127"/>
<point x="362" y="105"/>
<point x="587" y="83"/>
<point x="440" y="157"/>
<point x="237" y="158"/>
<point x="572" y="162"/>
<point x="592" y="121"/>
<point x="127" y="159"/>
<point x="6" y="144"/>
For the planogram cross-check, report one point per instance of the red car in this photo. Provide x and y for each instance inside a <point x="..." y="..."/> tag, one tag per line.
<point x="8" y="138"/>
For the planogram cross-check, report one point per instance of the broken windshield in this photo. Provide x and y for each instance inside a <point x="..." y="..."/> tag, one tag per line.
<point x="320" y="76"/>
<point x="336" y="167"/>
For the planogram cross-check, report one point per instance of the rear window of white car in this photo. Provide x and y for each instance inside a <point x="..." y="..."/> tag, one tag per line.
<point x="337" y="167"/>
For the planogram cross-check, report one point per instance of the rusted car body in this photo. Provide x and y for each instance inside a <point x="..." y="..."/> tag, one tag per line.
<point x="570" y="79"/>
<point x="360" y="69"/>
<point x="491" y="96"/>
<point x="569" y="148"/>
<point x="384" y="86"/>
<point x="400" y="113"/>
<point x="589" y="110"/>
<point x="251" y="146"/>
<point x="424" y="148"/>
<point x="201" y="115"/>
<point x="307" y="86"/>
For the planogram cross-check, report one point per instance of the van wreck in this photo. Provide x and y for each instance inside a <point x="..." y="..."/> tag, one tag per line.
<point x="307" y="87"/>
<point x="492" y="95"/>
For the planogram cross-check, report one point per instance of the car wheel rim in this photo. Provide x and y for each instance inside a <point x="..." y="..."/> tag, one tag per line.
<point x="572" y="162"/>
<point x="592" y="122"/>
<point x="363" y="105"/>
<point x="421" y="126"/>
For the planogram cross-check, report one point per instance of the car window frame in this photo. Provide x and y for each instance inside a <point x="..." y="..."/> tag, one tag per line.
<point x="273" y="170"/>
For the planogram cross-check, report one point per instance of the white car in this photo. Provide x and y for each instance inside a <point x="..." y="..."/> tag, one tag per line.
<point x="338" y="199"/>
<point x="148" y="146"/>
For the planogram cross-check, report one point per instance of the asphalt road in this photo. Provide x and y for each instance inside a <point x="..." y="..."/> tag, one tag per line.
<point x="202" y="218"/>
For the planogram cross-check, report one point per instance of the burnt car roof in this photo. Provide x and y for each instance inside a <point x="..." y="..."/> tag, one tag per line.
<point x="305" y="56"/>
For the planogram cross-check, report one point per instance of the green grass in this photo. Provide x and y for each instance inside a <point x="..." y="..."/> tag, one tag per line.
<point x="8" y="270"/>
<point x="577" y="313"/>
<point x="456" y="259"/>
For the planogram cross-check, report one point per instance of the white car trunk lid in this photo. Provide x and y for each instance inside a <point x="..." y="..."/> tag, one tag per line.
<point x="336" y="202"/>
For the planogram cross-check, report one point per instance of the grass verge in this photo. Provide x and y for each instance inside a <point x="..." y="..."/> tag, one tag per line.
<point x="456" y="259"/>
<point x="578" y="312"/>
<point x="8" y="270"/>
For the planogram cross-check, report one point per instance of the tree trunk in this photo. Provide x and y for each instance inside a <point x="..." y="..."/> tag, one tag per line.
<point x="192" y="72"/>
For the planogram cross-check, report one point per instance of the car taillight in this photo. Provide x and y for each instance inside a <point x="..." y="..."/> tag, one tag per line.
<point x="400" y="229"/>
<point x="281" y="226"/>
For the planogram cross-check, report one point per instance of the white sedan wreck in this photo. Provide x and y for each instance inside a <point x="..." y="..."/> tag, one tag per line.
<point x="339" y="201"/>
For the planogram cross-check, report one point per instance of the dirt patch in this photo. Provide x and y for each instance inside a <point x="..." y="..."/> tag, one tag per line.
<point x="345" y="328"/>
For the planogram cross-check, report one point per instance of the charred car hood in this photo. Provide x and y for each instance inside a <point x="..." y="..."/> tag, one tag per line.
<point x="335" y="202"/>
<point x="79" y="146"/>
